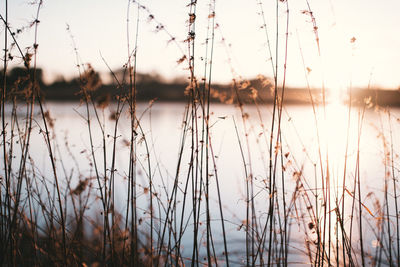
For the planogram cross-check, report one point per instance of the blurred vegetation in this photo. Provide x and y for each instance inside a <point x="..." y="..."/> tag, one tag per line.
<point x="149" y="87"/>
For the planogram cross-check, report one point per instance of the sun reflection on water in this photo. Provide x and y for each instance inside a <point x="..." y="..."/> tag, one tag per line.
<point x="339" y="144"/>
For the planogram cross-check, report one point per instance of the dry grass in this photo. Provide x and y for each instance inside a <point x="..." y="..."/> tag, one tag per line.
<point x="300" y="212"/>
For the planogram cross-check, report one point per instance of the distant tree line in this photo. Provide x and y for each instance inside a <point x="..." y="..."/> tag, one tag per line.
<point x="18" y="82"/>
<point x="154" y="87"/>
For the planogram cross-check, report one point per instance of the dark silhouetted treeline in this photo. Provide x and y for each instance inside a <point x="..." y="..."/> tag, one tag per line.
<point x="19" y="84"/>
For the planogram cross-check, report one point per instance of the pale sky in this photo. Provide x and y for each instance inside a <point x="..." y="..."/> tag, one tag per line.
<point x="100" y="26"/>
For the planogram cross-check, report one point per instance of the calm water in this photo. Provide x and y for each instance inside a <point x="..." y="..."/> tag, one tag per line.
<point x="303" y="145"/>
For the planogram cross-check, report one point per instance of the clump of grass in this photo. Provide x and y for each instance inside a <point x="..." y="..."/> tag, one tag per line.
<point x="295" y="207"/>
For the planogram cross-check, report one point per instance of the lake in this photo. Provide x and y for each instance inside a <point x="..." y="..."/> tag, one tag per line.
<point x="315" y="148"/>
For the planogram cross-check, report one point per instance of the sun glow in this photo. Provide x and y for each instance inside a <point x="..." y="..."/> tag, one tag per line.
<point x="338" y="138"/>
<point x="335" y="127"/>
<point x="336" y="97"/>
<point x="337" y="134"/>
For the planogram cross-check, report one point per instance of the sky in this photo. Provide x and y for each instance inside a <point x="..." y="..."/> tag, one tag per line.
<point x="358" y="40"/>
